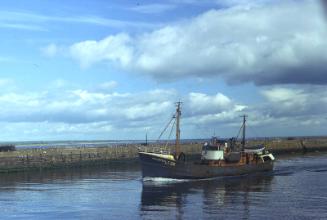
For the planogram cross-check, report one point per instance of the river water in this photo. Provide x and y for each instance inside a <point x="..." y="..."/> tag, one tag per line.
<point x="296" y="189"/>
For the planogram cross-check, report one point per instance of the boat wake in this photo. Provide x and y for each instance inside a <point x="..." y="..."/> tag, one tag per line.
<point x="318" y="170"/>
<point x="163" y="180"/>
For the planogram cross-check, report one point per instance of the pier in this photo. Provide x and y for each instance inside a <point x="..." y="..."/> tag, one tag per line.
<point x="66" y="157"/>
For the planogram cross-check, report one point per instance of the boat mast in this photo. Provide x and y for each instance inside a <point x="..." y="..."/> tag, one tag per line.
<point x="243" y="136"/>
<point x="177" y="142"/>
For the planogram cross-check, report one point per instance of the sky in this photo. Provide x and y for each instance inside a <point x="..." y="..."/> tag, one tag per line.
<point x="100" y="70"/>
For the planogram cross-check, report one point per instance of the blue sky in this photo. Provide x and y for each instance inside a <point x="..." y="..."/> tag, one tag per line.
<point x="113" y="70"/>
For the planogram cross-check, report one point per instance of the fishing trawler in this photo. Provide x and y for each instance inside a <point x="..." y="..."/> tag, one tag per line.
<point x="218" y="158"/>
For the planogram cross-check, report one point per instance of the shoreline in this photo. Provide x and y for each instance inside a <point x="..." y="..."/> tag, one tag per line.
<point x="70" y="157"/>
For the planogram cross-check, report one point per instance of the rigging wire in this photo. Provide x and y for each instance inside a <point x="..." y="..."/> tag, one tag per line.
<point x="239" y="132"/>
<point x="171" y="131"/>
<point x="165" y="129"/>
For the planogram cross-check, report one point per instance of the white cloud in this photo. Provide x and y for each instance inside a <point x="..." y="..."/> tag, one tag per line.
<point x="286" y="96"/>
<point x="51" y="50"/>
<point x="203" y="103"/>
<point x="59" y="83"/>
<point x="36" y="131"/>
<point x="235" y="3"/>
<point x="28" y="27"/>
<point x="113" y="48"/>
<point x="147" y="111"/>
<point x="286" y="111"/>
<point x="40" y="22"/>
<point x="109" y="85"/>
<point x="72" y="112"/>
<point x="153" y="8"/>
<point x="245" y="43"/>
<point x="307" y="101"/>
<point x="5" y="82"/>
<point x="84" y="114"/>
<point x="81" y="106"/>
<point x="226" y="116"/>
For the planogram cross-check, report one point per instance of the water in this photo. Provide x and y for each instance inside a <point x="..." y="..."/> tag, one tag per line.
<point x="86" y="143"/>
<point x="63" y="144"/>
<point x="297" y="189"/>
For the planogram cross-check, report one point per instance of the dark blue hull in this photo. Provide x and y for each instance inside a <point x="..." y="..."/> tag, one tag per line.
<point x="156" y="166"/>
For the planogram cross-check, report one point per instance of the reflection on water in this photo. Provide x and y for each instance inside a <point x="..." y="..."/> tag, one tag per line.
<point x="296" y="189"/>
<point x="112" y="171"/>
<point x="85" y="193"/>
<point x="216" y="195"/>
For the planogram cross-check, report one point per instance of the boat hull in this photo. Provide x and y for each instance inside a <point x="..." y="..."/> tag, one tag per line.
<point x="156" y="166"/>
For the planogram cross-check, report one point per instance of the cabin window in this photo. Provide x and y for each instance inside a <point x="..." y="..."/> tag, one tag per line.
<point x="208" y="147"/>
<point x="266" y="158"/>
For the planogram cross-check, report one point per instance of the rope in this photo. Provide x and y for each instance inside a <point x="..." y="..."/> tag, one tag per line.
<point x="165" y="129"/>
<point x="171" y="131"/>
<point x="239" y="131"/>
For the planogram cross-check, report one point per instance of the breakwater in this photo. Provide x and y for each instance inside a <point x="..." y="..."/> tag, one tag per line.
<point x="50" y="158"/>
<point x="296" y="145"/>
<point x="31" y="159"/>
<point x="64" y="157"/>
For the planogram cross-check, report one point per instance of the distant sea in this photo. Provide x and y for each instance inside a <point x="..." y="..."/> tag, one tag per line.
<point x="106" y="143"/>
<point x="85" y="143"/>
<point x="72" y="143"/>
